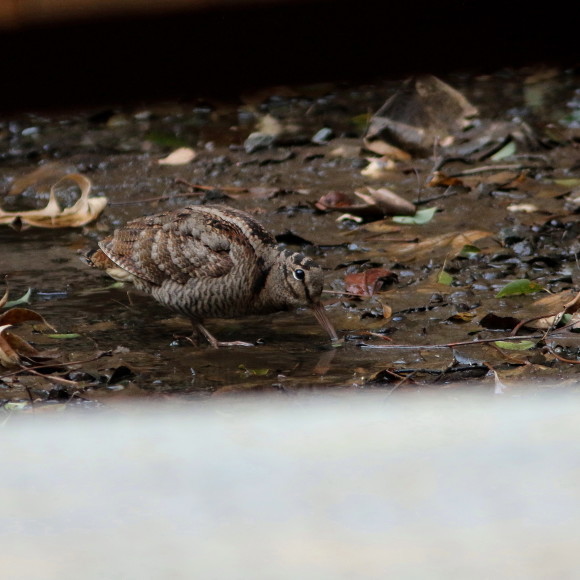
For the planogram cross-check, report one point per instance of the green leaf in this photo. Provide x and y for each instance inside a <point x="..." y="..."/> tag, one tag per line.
<point x="361" y="121"/>
<point x="515" y="345"/>
<point x="15" y="406"/>
<point x="64" y="336"/>
<point x="568" y="182"/>
<point x="469" y="251"/>
<point x="422" y="216"/>
<point x="253" y="372"/>
<point x="444" y="278"/>
<point x="506" y="151"/>
<point x="519" y="287"/>
<point x="25" y="299"/>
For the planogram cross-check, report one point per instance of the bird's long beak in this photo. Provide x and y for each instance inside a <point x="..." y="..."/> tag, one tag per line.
<point x="324" y="321"/>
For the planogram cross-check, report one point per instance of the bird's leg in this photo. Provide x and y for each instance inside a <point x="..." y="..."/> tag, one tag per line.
<point x="213" y="341"/>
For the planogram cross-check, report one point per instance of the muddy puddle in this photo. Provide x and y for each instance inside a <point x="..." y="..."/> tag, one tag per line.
<point x="497" y="219"/>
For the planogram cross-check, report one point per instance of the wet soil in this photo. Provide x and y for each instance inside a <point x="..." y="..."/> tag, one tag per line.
<point x="128" y="346"/>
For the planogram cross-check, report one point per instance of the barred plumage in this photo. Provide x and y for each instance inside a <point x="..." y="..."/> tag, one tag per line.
<point x="212" y="262"/>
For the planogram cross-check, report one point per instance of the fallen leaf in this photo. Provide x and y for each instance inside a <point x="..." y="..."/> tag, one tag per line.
<point x="19" y="315"/>
<point x="85" y="210"/>
<point x="387" y="151"/>
<point x="369" y="282"/>
<point x="463" y="316"/>
<point x="424" y="112"/>
<point x="439" y="179"/>
<point x="8" y="356"/>
<point x="334" y="200"/>
<point x="515" y="344"/>
<point x="41" y="178"/>
<point x="12" y="348"/>
<point x="506" y="151"/>
<point x="556" y="307"/>
<point x="523" y="208"/>
<point x="378" y="168"/>
<point x="180" y="156"/>
<point x="469" y="251"/>
<point x="518" y="288"/>
<point x="389" y="202"/>
<point x="422" y="216"/>
<point x="451" y="244"/>
<point x="444" y="278"/>
<point x="24" y="299"/>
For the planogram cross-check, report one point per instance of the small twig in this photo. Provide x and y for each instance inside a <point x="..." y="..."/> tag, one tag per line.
<point x="52" y="364"/>
<point x="52" y="378"/>
<point x="447" y="193"/>
<point x="491" y="169"/>
<point x="561" y="358"/>
<point x="454" y="344"/>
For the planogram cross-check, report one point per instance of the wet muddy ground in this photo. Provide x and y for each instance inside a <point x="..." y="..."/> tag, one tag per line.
<point x="498" y="219"/>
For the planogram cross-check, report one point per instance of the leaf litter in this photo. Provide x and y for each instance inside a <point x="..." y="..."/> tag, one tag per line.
<point x="84" y="211"/>
<point x="489" y="202"/>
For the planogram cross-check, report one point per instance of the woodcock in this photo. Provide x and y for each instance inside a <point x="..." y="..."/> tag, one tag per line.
<point x="212" y="262"/>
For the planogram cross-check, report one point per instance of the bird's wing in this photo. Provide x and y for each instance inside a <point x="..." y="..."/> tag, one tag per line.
<point x="189" y="243"/>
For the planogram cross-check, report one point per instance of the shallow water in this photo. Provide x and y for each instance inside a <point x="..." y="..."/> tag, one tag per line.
<point x="117" y="149"/>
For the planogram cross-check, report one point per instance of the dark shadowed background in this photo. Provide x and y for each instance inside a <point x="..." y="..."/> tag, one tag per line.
<point x="58" y="54"/>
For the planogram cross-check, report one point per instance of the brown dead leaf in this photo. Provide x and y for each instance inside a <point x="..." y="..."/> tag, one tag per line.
<point x="387" y="311"/>
<point x="41" y="178"/>
<point x="450" y="244"/>
<point x="12" y="348"/>
<point x="389" y="202"/>
<point x="84" y="211"/>
<point x="369" y="282"/>
<point x="462" y="316"/>
<point x="334" y="200"/>
<point x="555" y="306"/>
<point x="425" y="112"/>
<point x="8" y="356"/>
<point x="18" y="315"/>
<point x="385" y="150"/>
<point x="441" y="179"/>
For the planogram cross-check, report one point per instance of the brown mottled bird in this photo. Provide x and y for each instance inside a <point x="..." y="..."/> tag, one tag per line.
<point x="212" y="262"/>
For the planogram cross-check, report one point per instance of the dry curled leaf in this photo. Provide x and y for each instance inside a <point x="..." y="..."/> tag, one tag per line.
<point x="85" y="210"/>
<point x="12" y="348"/>
<point x="18" y="315"/>
<point x="41" y="178"/>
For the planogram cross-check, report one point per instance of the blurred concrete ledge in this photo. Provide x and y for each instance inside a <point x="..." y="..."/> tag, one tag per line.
<point x="313" y="487"/>
<point x="67" y="53"/>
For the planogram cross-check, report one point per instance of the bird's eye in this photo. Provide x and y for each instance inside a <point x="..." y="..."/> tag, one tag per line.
<point x="299" y="274"/>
